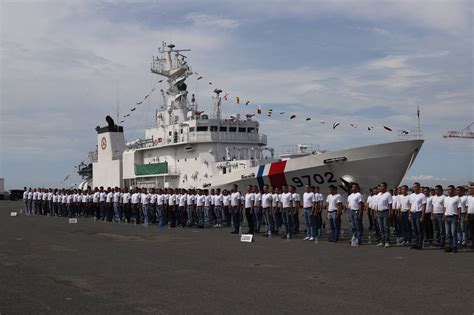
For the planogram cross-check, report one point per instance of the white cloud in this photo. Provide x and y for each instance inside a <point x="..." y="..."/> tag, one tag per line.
<point x="212" y="21"/>
<point x="421" y="178"/>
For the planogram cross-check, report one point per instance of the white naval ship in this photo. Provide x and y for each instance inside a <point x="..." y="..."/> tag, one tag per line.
<point x="190" y="149"/>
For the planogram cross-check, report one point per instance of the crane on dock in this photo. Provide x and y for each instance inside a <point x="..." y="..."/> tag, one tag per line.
<point x="465" y="133"/>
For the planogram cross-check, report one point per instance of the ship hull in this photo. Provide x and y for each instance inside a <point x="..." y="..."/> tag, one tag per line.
<point x="368" y="166"/>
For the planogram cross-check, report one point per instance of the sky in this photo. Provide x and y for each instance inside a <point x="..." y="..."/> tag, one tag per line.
<point x="369" y="63"/>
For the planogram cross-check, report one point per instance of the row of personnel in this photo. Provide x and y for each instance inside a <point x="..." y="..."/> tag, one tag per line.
<point x="417" y="215"/>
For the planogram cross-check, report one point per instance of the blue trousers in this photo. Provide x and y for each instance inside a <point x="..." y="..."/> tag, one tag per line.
<point x="334" y="225"/>
<point x="417" y="227"/>
<point x="451" y="223"/>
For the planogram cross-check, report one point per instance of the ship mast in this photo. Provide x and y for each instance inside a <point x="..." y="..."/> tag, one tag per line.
<point x="172" y="64"/>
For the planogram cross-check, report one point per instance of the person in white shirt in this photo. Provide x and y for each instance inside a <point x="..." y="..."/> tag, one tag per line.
<point x="384" y="211"/>
<point x="30" y="201"/>
<point x="462" y="232"/>
<point x="226" y="207"/>
<point x="405" y="226"/>
<point x="417" y="212"/>
<point x="126" y="208"/>
<point x="109" y="207"/>
<point x="285" y="209"/>
<point x="207" y="207"/>
<point x="102" y="205"/>
<point x="249" y="205"/>
<point x="160" y="208"/>
<point x="25" y="201"/>
<point x="334" y="211"/>
<point x="218" y="202"/>
<point x="470" y="214"/>
<point x="200" y="201"/>
<point x="172" y="207"/>
<point x="295" y="209"/>
<point x="191" y="207"/>
<point x="427" y="222"/>
<point x="235" y="204"/>
<point x="355" y="204"/>
<point x="369" y="210"/>
<point x="145" y="202"/>
<point x="318" y="210"/>
<point x="309" y="203"/>
<point x="135" y="203"/>
<point x="181" y="219"/>
<point x="452" y="214"/>
<point x="395" y="220"/>
<point x="276" y="211"/>
<point x="267" y="210"/>
<point x="116" y="204"/>
<point x="95" y="203"/>
<point x="439" y="231"/>
<point x="257" y="209"/>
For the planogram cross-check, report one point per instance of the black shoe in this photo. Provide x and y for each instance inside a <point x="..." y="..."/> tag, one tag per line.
<point x="448" y="250"/>
<point x="234" y="232"/>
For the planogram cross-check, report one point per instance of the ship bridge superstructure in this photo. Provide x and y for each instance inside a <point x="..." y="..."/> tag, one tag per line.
<point x="187" y="147"/>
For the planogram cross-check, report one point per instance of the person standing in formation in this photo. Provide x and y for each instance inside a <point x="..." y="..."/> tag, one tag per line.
<point x="267" y="210"/>
<point x="309" y="205"/>
<point x="126" y="208"/>
<point x="276" y="211"/>
<point x="218" y="203"/>
<point x="427" y="221"/>
<point x="452" y="215"/>
<point x="355" y="204"/>
<point x="235" y="204"/>
<point x="334" y="212"/>
<point x="285" y="209"/>
<point x="417" y="210"/>
<point x="470" y="214"/>
<point x="462" y="233"/>
<point x="249" y="206"/>
<point x="295" y="210"/>
<point x="384" y="211"/>
<point x="439" y="230"/>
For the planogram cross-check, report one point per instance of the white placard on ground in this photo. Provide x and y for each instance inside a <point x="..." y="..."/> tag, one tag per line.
<point x="246" y="238"/>
<point x="73" y="220"/>
<point x="13" y="214"/>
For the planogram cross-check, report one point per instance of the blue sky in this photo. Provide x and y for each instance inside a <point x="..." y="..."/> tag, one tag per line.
<point x="361" y="62"/>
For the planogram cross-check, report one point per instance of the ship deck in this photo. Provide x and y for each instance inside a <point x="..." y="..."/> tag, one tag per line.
<point x="50" y="266"/>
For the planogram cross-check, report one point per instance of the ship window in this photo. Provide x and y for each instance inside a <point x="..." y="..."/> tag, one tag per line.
<point x="181" y="130"/>
<point x="201" y="128"/>
<point x="232" y="129"/>
<point x="251" y="129"/>
<point x="224" y="170"/>
<point x="191" y="129"/>
<point x="241" y="129"/>
<point x="169" y="133"/>
<point x="222" y="128"/>
<point x="213" y="128"/>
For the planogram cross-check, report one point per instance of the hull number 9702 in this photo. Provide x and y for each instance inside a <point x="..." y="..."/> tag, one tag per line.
<point x="316" y="179"/>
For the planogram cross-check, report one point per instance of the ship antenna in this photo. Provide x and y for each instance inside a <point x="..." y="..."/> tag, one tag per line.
<point x="217" y="104"/>
<point x="418" y="128"/>
<point x="117" y="104"/>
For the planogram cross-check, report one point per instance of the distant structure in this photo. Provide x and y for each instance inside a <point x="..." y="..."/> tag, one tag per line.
<point x="465" y="133"/>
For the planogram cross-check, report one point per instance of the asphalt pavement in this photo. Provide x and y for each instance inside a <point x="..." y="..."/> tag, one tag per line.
<point x="49" y="266"/>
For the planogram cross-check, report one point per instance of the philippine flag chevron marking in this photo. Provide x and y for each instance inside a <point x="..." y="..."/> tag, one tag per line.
<point x="276" y="174"/>
<point x="261" y="168"/>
